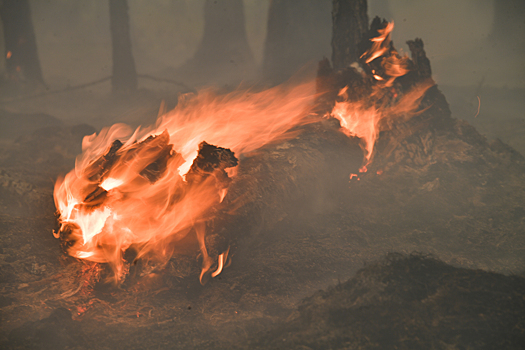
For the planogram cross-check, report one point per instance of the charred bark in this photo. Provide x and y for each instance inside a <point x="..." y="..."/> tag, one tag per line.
<point x="350" y="23"/>
<point x="211" y="160"/>
<point x="124" y="77"/>
<point x="22" y="62"/>
<point x="419" y="57"/>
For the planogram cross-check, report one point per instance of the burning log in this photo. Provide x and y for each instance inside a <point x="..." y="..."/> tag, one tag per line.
<point x="191" y="192"/>
<point x="146" y="160"/>
<point x="121" y="174"/>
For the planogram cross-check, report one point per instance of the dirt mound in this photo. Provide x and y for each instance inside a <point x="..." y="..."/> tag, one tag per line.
<point x="410" y="302"/>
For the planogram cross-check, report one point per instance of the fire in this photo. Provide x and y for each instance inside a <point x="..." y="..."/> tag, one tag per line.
<point x="380" y="44"/>
<point x="149" y="188"/>
<point x="139" y="190"/>
<point x="367" y="118"/>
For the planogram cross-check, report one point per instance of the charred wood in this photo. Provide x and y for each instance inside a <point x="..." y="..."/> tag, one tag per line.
<point x="419" y="57"/>
<point x="295" y="177"/>
<point x="211" y="160"/>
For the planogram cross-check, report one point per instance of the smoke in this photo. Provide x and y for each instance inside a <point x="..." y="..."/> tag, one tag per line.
<point x="460" y="38"/>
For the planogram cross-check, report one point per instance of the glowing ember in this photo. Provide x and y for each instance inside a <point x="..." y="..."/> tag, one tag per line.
<point x="222" y="259"/>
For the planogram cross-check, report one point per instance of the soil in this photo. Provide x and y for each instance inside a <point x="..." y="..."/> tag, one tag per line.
<point x="436" y="186"/>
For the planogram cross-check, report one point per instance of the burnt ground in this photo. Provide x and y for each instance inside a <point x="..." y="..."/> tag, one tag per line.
<point x="444" y="190"/>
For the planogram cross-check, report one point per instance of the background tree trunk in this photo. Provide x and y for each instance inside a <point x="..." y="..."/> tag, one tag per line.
<point x="298" y="32"/>
<point x="224" y="55"/>
<point x="124" y="77"/>
<point x="350" y="23"/>
<point x="22" y="63"/>
<point x="509" y="25"/>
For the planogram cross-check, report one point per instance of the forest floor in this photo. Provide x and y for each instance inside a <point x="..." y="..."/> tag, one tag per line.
<point x="468" y="214"/>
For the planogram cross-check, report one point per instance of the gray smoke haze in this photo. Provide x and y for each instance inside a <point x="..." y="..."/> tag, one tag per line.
<point x="74" y="43"/>
<point x="476" y="48"/>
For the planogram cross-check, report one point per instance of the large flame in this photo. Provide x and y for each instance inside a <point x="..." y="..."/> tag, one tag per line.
<point x="134" y="193"/>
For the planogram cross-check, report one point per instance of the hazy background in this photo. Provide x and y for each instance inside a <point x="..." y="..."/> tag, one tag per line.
<point x="74" y="43"/>
<point x="470" y="57"/>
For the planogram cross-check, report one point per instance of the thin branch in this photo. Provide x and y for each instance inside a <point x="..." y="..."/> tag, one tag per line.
<point x="163" y="80"/>
<point x="81" y="86"/>
<point x="69" y="88"/>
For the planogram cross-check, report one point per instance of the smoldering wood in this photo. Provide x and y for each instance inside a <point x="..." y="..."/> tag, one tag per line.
<point x="359" y="79"/>
<point x="211" y="160"/>
<point x="419" y="57"/>
<point x="124" y="78"/>
<point x="283" y="180"/>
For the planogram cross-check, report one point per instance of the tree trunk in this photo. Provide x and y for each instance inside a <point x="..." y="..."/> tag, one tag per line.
<point x="22" y="63"/>
<point x="124" y="77"/>
<point x="350" y="23"/>
<point x="509" y="26"/>
<point x="298" y="32"/>
<point x="223" y="55"/>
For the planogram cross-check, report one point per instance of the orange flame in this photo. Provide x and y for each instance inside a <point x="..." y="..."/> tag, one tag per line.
<point x="366" y="119"/>
<point x="393" y="65"/>
<point x="106" y="210"/>
<point x="359" y="119"/>
<point x="380" y="44"/>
